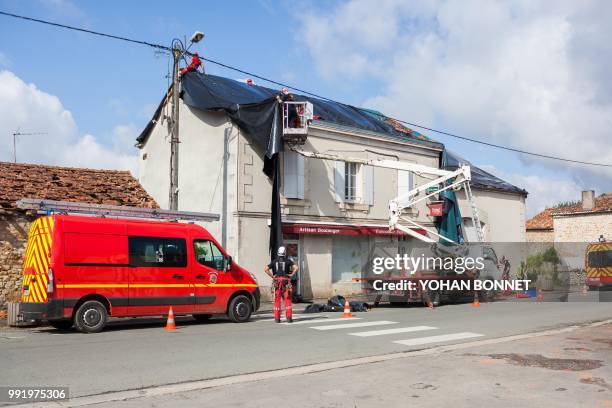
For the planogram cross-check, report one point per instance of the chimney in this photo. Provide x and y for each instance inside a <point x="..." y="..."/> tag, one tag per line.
<point x="588" y="200"/>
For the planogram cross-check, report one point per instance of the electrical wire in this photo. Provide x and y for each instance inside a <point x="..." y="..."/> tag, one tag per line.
<point x="83" y="30"/>
<point x="303" y="91"/>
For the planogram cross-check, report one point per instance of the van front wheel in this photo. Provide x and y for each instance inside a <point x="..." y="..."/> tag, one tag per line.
<point x="240" y="309"/>
<point x="91" y="317"/>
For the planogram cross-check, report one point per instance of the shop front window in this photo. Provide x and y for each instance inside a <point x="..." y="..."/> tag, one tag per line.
<point x="349" y="257"/>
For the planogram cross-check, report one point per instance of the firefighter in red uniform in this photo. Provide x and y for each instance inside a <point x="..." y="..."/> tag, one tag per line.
<point x="281" y="270"/>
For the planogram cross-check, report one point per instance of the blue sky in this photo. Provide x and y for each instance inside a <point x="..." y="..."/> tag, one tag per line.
<point x="405" y="61"/>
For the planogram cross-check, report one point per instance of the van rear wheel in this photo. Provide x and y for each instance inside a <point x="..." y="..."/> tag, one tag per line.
<point x="240" y="309"/>
<point x="91" y="317"/>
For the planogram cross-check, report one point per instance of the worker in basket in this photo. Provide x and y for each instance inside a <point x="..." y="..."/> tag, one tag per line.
<point x="281" y="270"/>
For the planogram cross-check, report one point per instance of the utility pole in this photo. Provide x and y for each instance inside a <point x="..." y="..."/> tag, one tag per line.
<point x="178" y="52"/>
<point x="174" y="130"/>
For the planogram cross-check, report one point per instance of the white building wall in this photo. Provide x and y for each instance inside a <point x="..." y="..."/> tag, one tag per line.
<point x="503" y="214"/>
<point x="201" y="174"/>
<point x="319" y="196"/>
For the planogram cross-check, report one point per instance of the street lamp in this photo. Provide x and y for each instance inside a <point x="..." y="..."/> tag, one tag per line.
<point x="197" y="37"/>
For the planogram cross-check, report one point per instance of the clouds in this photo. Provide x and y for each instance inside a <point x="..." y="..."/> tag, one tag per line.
<point x="544" y="191"/>
<point x="23" y="106"/>
<point x="533" y="75"/>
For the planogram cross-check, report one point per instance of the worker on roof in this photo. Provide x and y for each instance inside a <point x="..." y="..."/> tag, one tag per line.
<point x="294" y="111"/>
<point x="281" y="270"/>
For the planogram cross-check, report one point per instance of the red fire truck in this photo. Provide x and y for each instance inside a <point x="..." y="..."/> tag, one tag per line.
<point x="79" y="270"/>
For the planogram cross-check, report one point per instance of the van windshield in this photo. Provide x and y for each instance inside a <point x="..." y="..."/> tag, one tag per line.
<point x="208" y="254"/>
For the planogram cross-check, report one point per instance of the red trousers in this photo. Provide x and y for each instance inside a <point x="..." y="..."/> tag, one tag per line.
<point x="282" y="288"/>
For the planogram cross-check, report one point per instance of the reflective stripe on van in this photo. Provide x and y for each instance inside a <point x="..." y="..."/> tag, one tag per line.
<point x="36" y="261"/>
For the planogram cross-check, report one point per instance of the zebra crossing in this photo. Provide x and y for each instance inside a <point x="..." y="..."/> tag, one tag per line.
<point x="364" y="328"/>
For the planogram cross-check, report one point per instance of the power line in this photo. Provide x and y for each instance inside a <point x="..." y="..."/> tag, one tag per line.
<point x="83" y="30"/>
<point x="251" y="74"/>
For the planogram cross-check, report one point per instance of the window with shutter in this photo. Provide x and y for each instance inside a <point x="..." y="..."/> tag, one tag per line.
<point x="405" y="182"/>
<point x="351" y="172"/>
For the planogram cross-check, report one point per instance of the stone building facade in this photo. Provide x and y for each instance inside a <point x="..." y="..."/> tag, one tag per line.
<point x="570" y="228"/>
<point x="584" y="221"/>
<point x="53" y="183"/>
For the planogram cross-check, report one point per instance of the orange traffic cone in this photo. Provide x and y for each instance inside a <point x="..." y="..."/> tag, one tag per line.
<point x="347" y="309"/>
<point x="476" y="300"/>
<point x="170" y="325"/>
<point x="540" y="295"/>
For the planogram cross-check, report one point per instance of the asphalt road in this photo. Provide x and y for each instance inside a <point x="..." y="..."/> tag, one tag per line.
<point x="568" y="369"/>
<point x="135" y="354"/>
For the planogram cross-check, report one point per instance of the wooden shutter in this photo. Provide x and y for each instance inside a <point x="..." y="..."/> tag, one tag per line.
<point x="339" y="181"/>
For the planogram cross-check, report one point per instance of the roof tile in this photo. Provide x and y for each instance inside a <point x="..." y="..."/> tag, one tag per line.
<point x="114" y="187"/>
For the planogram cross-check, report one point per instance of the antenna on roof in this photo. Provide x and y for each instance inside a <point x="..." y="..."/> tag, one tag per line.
<point x="18" y="133"/>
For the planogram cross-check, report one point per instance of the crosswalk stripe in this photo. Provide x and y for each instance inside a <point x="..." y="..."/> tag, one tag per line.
<point x="352" y="325"/>
<point x="325" y="320"/>
<point x="392" y="331"/>
<point x="438" y="339"/>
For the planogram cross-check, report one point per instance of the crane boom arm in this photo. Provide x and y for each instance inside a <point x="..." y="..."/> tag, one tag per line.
<point x="457" y="177"/>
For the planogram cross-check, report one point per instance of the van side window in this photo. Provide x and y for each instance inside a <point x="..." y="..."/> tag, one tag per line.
<point x="158" y="252"/>
<point x="208" y="254"/>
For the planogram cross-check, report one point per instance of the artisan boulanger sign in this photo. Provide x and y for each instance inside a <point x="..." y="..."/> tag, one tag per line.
<point x="323" y="229"/>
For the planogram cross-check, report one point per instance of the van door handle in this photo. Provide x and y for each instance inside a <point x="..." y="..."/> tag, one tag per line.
<point x="200" y="276"/>
<point x="177" y="276"/>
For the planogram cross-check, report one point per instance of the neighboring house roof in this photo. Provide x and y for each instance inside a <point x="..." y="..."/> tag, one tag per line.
<point x="70" y="184"/>
<point x="215" y="91"/>
<point x="603" y="204"/>
<point x="481" y="179"/>
<point x="544" y="219"/>
<point x="541" y="221"/>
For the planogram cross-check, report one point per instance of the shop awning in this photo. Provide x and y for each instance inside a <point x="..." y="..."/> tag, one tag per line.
<point x="339" y="229"/>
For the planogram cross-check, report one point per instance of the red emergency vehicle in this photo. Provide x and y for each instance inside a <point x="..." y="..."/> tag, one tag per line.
<point x="80" y="270"/>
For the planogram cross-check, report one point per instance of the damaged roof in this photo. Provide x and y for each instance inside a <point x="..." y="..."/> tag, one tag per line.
<point x="218" y="93"/>
<point x="92" y="186"/>
<point x="229" y="92"/>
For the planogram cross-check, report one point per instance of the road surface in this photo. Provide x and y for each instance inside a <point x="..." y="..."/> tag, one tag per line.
<point x="136" y="354"/>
